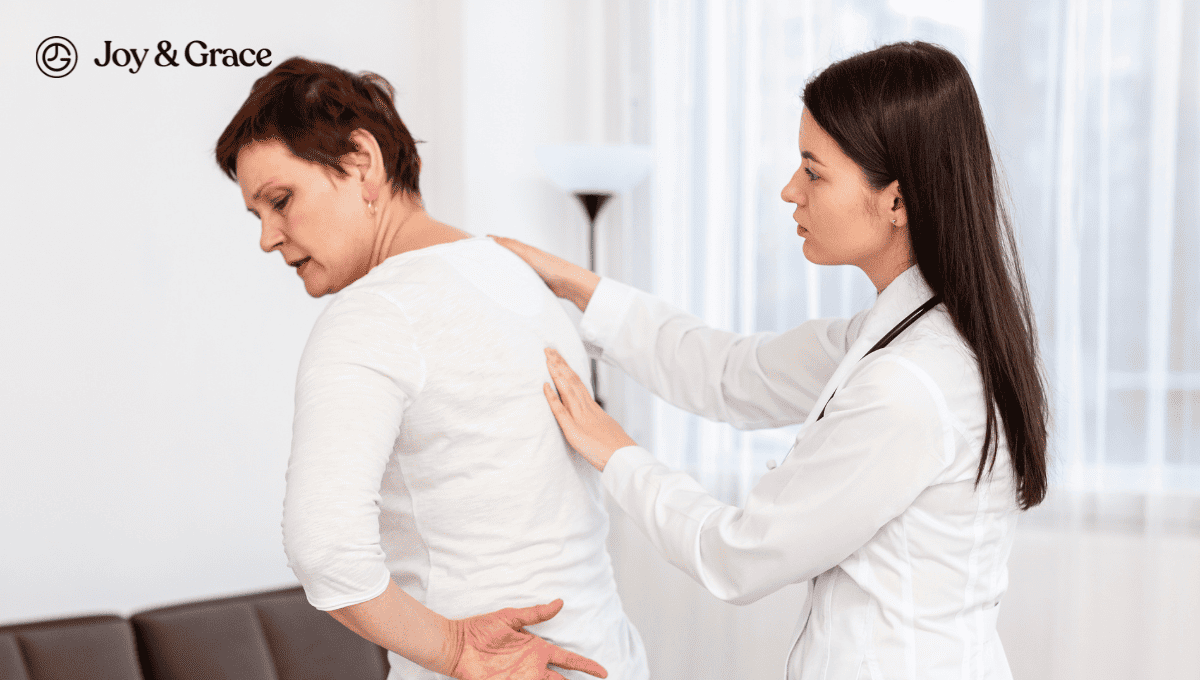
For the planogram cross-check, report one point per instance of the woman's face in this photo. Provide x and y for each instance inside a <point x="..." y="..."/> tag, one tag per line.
<point x="840" y="217"/>
<point x="314" y="217"/>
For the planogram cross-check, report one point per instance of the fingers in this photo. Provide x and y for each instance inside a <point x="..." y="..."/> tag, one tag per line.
<point x="556" y="407"/>
<point x="571" y="389"/>
<point x="523" y="250"/>
<point x="528" y="616"/>
<point x="563" y="387"/>
<point x="572" y="661"/>
<point x="510" y="243"/>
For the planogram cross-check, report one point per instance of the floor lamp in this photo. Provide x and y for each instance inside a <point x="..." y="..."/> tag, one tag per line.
<point x="594" y="174"/>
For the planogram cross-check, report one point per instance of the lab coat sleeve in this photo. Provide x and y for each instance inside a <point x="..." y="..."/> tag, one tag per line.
<point x="359" y="371"/>
<point x="885" y="437"/>
<point x="755" y="381"/>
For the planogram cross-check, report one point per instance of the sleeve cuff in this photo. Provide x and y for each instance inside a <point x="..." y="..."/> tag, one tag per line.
<point x="329" y="603"/>
<point x="605" y="313"/>
<point x="618" y="471"/>
<point x="671" y="509"/>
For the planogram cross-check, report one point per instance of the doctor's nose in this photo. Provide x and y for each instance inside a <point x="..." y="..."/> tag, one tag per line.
<point x="792" y="192"/>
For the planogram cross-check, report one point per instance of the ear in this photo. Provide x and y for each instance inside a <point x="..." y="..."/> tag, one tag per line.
<point x="892" y="203"/>
<point x="366" y="164"/>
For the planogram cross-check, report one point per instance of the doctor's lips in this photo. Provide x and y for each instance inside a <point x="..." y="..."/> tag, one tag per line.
<point x="299" y="262"/>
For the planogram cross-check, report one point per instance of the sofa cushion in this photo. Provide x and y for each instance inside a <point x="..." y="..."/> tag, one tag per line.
<point x="83" y="648"/>
<point x="12" y="666"/>
<point x="275" y="635"/>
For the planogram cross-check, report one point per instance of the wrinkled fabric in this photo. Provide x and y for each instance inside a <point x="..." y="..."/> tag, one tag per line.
<point x="424" y="451"/>
<point x="875" y="504"/>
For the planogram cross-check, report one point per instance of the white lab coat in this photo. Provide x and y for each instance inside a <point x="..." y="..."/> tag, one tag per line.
<point x="875" y="503"/>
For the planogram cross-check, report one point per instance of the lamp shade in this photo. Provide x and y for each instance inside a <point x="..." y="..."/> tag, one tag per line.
<point x="592" y="168"/>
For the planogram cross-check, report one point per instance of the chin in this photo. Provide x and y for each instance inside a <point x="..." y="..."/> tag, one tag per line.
<point x="812" y="253"/>
<point x="316" y="288"/>
<point x="815" y="255"/>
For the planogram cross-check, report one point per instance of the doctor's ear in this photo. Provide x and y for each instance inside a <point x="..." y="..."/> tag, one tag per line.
<point x="893" y="202"/>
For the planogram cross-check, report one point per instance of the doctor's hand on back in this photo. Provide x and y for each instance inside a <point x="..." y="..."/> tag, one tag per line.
<point x="923" y="417"/>
<point x="587" y="427"/>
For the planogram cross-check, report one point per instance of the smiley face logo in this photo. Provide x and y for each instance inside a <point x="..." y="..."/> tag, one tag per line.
<point x="56" y="56"/>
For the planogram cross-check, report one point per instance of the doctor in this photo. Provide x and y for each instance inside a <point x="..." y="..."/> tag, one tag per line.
<point x="924" y="417"/>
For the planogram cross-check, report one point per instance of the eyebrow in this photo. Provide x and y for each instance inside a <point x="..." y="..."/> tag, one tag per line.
<point x="260" y="191"/>
<point x="810" y="156"/>
<point x="254" y="199"/>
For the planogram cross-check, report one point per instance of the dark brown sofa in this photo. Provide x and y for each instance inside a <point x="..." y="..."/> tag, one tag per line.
<point x="274" y="635"/>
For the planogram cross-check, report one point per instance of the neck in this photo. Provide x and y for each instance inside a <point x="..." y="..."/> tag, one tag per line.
<point x="882" y="277"/>
<point x="403" y="225"/>
<point x="892" y="261"/>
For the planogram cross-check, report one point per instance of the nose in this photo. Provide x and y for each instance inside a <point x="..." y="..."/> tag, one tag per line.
<point x="272" y="236"/>
<point x="792" y="191"/>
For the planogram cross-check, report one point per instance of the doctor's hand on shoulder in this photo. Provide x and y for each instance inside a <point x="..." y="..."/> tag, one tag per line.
<point x="565" y="279"/>
<point x="589" y="430"/>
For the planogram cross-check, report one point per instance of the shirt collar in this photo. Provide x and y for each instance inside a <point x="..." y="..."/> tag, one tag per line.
<point x="901" y="297"/>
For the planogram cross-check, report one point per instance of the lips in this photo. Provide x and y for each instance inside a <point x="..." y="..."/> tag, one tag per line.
<point x="298" y="263"/>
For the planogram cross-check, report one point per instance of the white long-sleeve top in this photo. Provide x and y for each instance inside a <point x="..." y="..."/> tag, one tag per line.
<point x="423" y="451"/>
<point x="875" y="502"/>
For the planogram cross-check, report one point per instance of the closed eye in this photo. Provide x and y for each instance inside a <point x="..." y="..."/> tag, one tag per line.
<point x="280" y="203"/>
<point x="811" y="175"/>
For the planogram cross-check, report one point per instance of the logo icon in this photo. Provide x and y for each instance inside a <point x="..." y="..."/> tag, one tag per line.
<point x="56" y="56"/>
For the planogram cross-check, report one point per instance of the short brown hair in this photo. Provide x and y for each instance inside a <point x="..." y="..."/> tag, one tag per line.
<point x="312" y="107"/>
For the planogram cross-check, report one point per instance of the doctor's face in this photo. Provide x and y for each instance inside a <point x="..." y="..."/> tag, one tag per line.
<point x="314" y="217"/>
<point x="840" y="217"/>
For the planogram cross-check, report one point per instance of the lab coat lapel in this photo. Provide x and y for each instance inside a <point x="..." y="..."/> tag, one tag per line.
<point x="857" y="351"/>
<point x="907" y="292"/>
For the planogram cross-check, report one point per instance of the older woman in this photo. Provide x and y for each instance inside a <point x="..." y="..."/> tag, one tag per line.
<point x="924" y="416"/>
<point x="427" y="479"/>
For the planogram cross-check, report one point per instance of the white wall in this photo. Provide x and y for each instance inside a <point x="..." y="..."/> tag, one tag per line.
<point x="148" y="347"/>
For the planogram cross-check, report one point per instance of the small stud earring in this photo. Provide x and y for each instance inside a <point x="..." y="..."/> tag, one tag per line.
<point x="893" y="220"/>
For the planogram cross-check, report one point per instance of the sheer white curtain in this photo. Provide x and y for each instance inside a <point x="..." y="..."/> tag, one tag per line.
<point x="1103" y="165"/>
<point x="725" y="83"/>
<point x="1094" y="109"/>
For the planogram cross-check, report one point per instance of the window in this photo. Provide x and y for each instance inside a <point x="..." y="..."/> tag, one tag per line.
<point x="1094" y="109"/>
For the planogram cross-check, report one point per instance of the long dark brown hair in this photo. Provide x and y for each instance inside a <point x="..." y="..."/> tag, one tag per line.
<point x="909" y="112"/>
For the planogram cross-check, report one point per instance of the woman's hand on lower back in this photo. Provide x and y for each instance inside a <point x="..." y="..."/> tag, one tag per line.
<point x="496" y="645"/>
<point x="568" y="281"/>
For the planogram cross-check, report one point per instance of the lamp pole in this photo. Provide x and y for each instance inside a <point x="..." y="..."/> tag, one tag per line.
<point x="594" y="173"/>
<point x="592" y="203"/>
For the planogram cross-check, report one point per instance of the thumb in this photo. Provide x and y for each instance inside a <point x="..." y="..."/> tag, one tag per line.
<point x="528" y="616"/>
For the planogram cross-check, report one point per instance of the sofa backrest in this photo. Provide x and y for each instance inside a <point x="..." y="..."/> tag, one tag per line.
<point x="267" y="636"/>
<point x="84" y="648"/>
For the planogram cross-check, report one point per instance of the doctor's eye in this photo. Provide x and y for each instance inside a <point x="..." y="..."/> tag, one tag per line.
<point x="281" y="202"/>
<point x="811" y="175"/>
